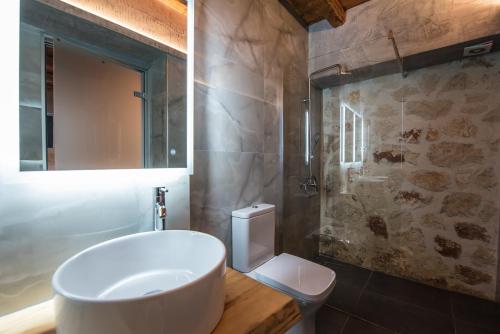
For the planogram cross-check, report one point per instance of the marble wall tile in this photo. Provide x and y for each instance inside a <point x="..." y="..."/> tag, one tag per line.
<point x="30" y="93"/>
<point x="230" y="30"/>
<point x="177" y="106"/>
<point x="226" y="121"/>
<point x="224" y="182"/>
<point x="30" y="133"/>
<point x="230" y="46"/>
<point x="227" y="179"/>
<point x="218" y="72"/>
<point x="272" y="179"/>
<point x="251" y="72"/>
<point x="300" y="228"/>
<point x="159" y="111"/>
<point x="40" y="227"/>
<point x="272" y="128"/>
<point x="30" y="97"/>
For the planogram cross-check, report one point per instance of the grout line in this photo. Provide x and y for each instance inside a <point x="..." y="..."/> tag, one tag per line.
<point x="355" y="316"/>
<point x="364" y="288"/>
<point x="449" y="316"/>
<point x="400" y="300"/>
<point x="479" y="325"/>
<point x="435" y="312"/>
<point x="452" y="312"/>
<point x="345" y="324"/>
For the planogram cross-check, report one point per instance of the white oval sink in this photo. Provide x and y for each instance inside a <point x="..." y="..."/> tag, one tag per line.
<point x="153" y="282"/>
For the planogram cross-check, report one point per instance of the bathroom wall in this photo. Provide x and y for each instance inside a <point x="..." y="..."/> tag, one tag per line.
<point x="301" y="210"/>
<point x="44" y="219"/>
<point x="250" y="56"/>
<point x="30" y="100"/>
<point x="423" y="203"/>
<point x="94" y="100"/>
<point x="177" y="117"/>
<point x="168" y="113"/>
<point x="418" y="26"/>
<point x="151" y="21"/>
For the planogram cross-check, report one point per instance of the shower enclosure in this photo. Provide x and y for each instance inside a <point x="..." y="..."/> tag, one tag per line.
<point x="409" y="169"/>
<point x="300" y="223"/>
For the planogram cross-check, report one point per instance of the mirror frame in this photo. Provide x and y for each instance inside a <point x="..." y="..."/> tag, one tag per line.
<point x="9" y="121"/>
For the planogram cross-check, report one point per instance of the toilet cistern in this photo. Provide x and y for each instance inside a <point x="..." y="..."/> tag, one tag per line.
<point x="160" y="209"/>
<point x="253" y="234"/>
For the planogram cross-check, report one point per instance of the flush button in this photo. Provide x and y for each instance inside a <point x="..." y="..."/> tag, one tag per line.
<point x="255" y="206"/>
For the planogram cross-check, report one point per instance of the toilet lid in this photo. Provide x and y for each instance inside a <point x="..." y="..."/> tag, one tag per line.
<point x="298" y="277"/>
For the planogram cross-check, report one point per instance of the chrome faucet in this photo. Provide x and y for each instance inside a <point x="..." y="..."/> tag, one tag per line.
<point x="160" y="210"/>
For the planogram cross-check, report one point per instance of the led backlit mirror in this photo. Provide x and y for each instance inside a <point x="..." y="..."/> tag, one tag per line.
<point x="93" y="98"/>
<point x="351" y="139"/>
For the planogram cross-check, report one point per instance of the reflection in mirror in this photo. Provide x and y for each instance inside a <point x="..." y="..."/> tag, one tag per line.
<point x="351" y="138"/>
<point x="358" y="138"/>
<point x="348" y="131"/>
<point x="93" y="98"/>
<point x="351" y="147"/>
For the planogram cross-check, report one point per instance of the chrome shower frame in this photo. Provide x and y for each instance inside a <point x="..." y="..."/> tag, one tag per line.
<point x="310" y="185"/>
<point x="392" y="38"/>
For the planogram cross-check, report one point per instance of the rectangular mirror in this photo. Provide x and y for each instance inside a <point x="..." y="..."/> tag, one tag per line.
<point x="94" y="98"/>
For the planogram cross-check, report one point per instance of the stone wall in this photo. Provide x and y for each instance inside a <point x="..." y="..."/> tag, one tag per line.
<point x="423" y="203"/>
<point x="419" y="26"/>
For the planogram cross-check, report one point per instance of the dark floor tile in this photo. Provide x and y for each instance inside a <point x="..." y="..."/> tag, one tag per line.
<point x="346" y="273"/>
<point x="345" y="297"/>
<point x="476" y="311"/>
<point x="330" y="321"/>
<point x="402" y="317"/>
<point x="350" y="281"/>
<point x="410" y="292"/>
<point x="356" y="326"/>
<point x="465" y="328"/>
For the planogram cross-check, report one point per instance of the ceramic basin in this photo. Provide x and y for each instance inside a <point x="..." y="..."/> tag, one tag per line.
<point x="153" y="282"/>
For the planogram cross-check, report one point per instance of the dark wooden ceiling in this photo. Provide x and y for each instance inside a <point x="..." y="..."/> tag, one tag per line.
<point x="308" y="12"/>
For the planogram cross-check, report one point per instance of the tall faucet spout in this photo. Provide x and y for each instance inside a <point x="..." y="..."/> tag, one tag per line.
<point x="160" y="209"/>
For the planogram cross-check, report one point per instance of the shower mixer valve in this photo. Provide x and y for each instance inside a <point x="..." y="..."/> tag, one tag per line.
<point x="310" y="185"/>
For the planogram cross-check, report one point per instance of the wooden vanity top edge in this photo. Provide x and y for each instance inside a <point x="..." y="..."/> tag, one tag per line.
<point x="251" y="307"/>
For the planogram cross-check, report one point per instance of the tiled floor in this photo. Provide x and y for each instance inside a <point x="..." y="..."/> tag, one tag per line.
<point x="366" y="302"/>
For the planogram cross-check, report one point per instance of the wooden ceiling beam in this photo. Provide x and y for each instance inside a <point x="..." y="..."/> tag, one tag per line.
<point x="336" y="16"/>
<point x="308" y="12"/>
<point x="179" y="6"/>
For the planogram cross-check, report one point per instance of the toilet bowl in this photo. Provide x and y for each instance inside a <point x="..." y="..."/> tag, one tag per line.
<point x="308" y="283"/>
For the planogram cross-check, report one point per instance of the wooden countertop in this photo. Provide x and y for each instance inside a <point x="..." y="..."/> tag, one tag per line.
<point x="251" y="307"/>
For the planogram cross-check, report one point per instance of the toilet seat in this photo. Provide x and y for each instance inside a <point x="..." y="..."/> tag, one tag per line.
<point x="297" y="277"/>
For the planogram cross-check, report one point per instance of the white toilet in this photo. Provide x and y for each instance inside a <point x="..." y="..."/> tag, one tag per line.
<point x="253" y="254"/>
